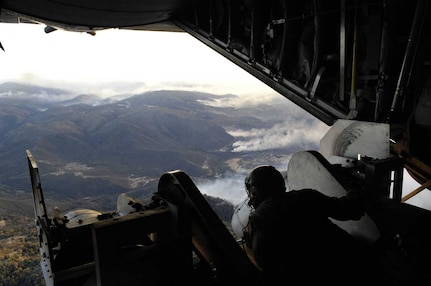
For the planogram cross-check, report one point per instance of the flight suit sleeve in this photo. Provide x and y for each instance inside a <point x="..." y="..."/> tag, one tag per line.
<point x="349" y="207"/>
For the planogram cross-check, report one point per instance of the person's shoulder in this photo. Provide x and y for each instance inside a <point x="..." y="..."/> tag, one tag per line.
<point x="302" y="192"/>
<point x="270" y="204"/>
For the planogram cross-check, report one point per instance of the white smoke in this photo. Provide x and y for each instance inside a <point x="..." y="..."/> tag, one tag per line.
<point x="304" y="133"/>
<point x="229" y="187"/>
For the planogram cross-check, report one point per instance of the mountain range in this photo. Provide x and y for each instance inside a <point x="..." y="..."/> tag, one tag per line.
<point x="88" y="146"/>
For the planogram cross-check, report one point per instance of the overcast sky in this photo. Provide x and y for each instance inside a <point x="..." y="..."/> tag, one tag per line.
<point x="127" y="62"/>
<point x="118" y="61"/>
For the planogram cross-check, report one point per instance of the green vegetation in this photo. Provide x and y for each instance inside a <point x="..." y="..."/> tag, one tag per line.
<point x="19" y="251"/>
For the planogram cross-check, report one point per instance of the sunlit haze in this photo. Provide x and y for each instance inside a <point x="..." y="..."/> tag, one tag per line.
<point x="116" y="61"/>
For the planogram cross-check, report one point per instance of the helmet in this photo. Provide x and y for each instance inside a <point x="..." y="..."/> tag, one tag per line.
<point x="262" y="182"/>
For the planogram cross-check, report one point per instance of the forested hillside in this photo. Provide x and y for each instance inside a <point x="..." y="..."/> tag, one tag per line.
<point x="19" y="251"/>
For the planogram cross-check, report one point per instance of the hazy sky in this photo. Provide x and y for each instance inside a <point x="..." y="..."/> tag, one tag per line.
<point x="126" y="62"/>
<point x="118" y="61"/>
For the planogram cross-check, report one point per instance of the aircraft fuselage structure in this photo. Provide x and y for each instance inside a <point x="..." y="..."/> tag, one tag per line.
<point x="341" y="61"/>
